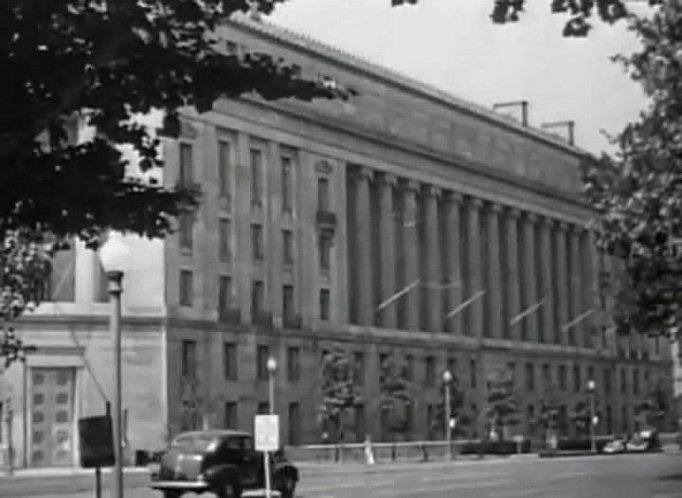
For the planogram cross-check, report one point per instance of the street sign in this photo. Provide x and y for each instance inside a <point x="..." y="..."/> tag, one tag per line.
<point x="267" y="432"/>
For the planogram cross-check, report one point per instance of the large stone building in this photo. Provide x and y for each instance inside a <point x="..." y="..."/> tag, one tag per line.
<point x="313" y="215"/>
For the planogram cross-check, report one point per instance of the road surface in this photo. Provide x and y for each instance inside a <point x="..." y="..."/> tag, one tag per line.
<point x="622" y="476"/>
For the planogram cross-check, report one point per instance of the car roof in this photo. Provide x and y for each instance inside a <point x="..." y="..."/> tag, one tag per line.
<point x="214" y="434"/>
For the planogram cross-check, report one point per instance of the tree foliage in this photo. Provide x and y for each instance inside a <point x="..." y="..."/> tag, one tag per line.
<point x="457" y="398"/>
<point x="395" y="398"/>
<point x="550" y="412"/>
<point x="638" y="193"/>
<point x="338" y="391"/>
<point x="501" y="405"/>
<point x="653" y="409"/>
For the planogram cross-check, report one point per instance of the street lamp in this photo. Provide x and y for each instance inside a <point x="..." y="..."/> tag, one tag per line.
<point x="114" y="257"/>
<point x="591" y="389"/>
<point x="447" y="379"/>
<point x="272" y="369"/>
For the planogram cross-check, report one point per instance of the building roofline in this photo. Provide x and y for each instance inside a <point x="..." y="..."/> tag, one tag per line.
<point x="377" y="71"/>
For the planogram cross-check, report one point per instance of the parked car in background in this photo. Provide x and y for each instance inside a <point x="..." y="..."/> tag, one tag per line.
<point x="617" y="445"/>
<point x="222" y="462"/>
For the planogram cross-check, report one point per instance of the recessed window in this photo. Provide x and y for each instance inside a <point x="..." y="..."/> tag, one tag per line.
<point x="186" y="229"/>
<point x="294" y="364"/>
<point x="287" y="184"/>
<point x="323" y="194"/>
<point x="188" y="364"/>
<point x="224" y="169"/>
<point x="325" y="303"/>
<point x="257" y="298"/>
<point x="225" y="240"/>
<point x="262" y="355"/>
<point x="231" y="421"/>
<point x="430" y="371"/>
<point x="186" y="165"/>
<point x="530" y="377"/>
<point x="186" y="288"/>
<point x="359" y="368"/>
<point x="256" y="177"/>
<point x="288" y="304"/>
<point x="257" y="242"/>
<point x="325" y="249"/>
<point x="473" y="377"/>
<point x="224" y="294"/>
<point x="230" y="366"/>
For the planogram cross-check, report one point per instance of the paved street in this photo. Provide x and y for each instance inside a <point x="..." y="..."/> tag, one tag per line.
<point x="631" y="476"/>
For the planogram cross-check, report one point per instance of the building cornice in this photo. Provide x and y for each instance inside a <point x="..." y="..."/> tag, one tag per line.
<point x="366" y="68"/>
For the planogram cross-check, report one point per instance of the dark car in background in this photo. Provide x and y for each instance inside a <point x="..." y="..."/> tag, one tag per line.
<point x="222" y="462"/>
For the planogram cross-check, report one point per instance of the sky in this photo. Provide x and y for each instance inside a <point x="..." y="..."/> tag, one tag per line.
<point x="453" y="45"/>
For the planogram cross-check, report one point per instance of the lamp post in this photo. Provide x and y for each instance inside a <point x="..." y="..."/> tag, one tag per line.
<point x="591" y="389"/>
<point x="447" y="379"/>
<point x="272" y="369"/>
<point x="114" y="256"/>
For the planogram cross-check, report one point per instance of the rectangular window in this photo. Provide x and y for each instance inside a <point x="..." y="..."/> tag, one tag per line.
<point x="189" y="359"/>
<point x="257" y="241"/>
<point x="225" y="240"/>
<point x="530" y="414"/>
<point x="262" y="355"/>
<point x="325" y="249"/>
<point x="607" y="381"/>
<point x="546" y="375"/>
<point x="473" y="378"/>
<point x="230" y="366"/>
<point x="288" y="247"/>
<point x="287" y="184"/>
<point x="635" y="381"/>
<point x="294" y="364"/>
<point x="231" y="420"/>
<point x="530" y="377"/>
<point x="409" y="368"/>
<point x="186" y="173"/>
<point x="224" y="169"/>
<point x="263" y="408"/>
<point x="257" y="298"/>
<point x="224" y="295"/>
<point x="430" y="371"/>
<point x="323" y="194"/>
<point x="186" y="288"/>
<point x="563" y="381"/>
<point x="256" y="177"/>
<point x="294" y="423"/>
<point x="359" y="368"/>
<point x="623" y="381"/>
<point x="186" y="229"/>
<point x="325" y="298"/>
<point x="577" y="381"/>
<point x="288" y="305"/>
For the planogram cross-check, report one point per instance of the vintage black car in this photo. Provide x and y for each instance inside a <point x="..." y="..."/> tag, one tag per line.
<point x="222" y="462"/>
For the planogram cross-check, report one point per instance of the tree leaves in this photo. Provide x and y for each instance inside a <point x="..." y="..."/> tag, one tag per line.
<point x="337" y="380"/>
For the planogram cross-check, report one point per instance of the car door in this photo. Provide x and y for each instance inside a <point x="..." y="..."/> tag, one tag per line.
<point x="251" y="463"/>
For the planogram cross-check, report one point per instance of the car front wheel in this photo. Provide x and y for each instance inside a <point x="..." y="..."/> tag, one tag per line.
<point x="229" y="490"/>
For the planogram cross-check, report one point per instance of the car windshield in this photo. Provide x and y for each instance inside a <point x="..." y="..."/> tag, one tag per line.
<point x="194" y="442"/>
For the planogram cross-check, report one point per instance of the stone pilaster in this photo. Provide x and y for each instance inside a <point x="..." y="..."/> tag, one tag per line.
<point x="388" y="249"/>
<point x="513" y="282"/>
<point x="592" y="271"/>
<point x="453" y="202"/>
<point x="548" y="327"/>
<point x="494" y="284"/>
<point x="363" y="223"/>
<point x="434" y="302"/>
<point x="576" y="284"/>
<point x="561" y="261"/>
<point x="530" y="324"/>
<point x="410" y="247"/>
<point x="475" y="309"/>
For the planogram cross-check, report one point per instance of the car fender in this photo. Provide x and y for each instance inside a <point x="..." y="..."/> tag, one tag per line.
<point x="218" y="474"/>
<point x="283" y="468"/>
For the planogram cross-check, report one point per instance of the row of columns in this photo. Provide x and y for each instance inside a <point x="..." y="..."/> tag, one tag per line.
<point x="456" y="246"/>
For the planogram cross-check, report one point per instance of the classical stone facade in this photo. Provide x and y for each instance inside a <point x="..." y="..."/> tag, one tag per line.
<point x="314" y="215"/>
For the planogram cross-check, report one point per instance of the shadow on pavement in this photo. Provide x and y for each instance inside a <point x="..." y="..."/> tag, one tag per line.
<point x="671" y="477"/>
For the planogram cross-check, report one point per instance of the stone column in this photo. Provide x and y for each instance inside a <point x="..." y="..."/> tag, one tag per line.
<point x="434" y="276"/>
<point x="363" y="222"/>
<point x="388" y="249"/>
<point x="513" y="288"/>
<point x="475" y="309"/>
<point x="494" y="284"/>
<point x="410" y="248"/>
<point x="548" y="327"/>
<point x="453" y="222"/>
<point x="563" y="303"/>
<point x="530" y="292"/>
<point x="576" y="282"/>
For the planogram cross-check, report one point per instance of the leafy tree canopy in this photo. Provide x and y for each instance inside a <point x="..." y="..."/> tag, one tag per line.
<point x="337" y="379"/>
